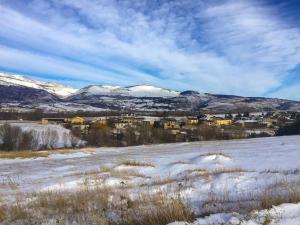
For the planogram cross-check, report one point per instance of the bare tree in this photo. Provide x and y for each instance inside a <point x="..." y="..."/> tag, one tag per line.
<point x="11" y="137"/>
<point x="52" y="138"/>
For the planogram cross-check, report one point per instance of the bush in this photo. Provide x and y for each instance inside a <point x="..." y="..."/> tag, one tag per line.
<point x="291" y="129"/>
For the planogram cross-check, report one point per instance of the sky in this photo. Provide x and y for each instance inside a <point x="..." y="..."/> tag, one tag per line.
<point x="237" y="47"/>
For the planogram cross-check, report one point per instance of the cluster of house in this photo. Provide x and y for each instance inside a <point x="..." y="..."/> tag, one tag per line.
<point x="176" y="125"/>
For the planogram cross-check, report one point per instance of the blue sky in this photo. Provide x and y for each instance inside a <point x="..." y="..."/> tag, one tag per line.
<point x="241" y="47"/>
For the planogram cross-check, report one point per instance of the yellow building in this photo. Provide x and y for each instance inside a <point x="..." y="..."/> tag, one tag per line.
<point x="44" y="121"/>
<point x="192" y="121"/>
<point x="223" y="122"/>
<point x="170" y="124"/>
<point x="75" y="120"/>
<point x="101" y="122"/>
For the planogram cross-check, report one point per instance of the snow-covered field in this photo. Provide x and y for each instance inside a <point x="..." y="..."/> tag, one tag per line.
<point x="214" y="175"/>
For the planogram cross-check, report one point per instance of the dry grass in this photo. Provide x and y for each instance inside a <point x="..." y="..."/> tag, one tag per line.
<point x="219" y="171"/>
<point x="35" y="154"/>
<point x="195" y="173"/>
<point x="180" y="162"/>
<point x="99" y="176"/>
<point x="161" y="181"/>
<point x="105" y="169"/>
<point x="126" y="174"/>
<point x="217" y="154"/>
<point x="96" y="206"/>
<point x="2" y="211"/>
<point x="159" y="209"/>
<point x="23" y="154"/>
<point x="279" y="193"/>
<point x="285" y="172"/>
<point x="136" y="163"/>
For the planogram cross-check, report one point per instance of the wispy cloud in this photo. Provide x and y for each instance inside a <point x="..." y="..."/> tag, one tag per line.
<point x="233" y="47"/>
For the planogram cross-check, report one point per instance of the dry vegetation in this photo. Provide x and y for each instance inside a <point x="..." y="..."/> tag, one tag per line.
<point x="115" y="206"/>
<point x="23" y="154"/>
<point x="278" y="193"/>
<point x="97" y="206"/>
<point x="161" y="181"/>
<point x="35" y="154"/>
<point x="226" y="170"/>
<point x="136" y="163"/>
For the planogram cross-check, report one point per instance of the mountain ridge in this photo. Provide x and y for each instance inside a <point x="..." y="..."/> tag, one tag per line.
<point x="136" y="97"/>
<point x="20" y="80"/>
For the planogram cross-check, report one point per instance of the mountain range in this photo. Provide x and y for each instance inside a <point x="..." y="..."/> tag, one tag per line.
<point x="21" y="93"/>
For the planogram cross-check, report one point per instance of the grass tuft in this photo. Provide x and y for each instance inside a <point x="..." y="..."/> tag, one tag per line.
<point x="136" y="163"/>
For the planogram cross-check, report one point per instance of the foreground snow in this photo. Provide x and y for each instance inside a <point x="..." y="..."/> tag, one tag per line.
<point x="232" y="171"/>
<point x="285" y="214"/>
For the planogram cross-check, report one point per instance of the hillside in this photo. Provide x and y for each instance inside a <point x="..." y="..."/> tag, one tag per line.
<point x="30" y="94"/>
<point x="22" y="81"/>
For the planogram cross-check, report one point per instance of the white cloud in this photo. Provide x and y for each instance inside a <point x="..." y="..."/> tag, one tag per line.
<point x="290" y="92"/>
<point x="237" y="47"/>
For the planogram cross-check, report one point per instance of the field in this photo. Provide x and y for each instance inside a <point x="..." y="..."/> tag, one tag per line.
<point x="251" y="181"/>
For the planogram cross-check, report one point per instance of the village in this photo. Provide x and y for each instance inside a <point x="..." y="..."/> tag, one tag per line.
<point x="205" y="126"/>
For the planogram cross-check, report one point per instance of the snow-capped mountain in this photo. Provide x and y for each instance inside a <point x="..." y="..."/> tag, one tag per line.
<point x="132" y="91"/>
<point x="22" y="81"/>
<point x="150" y="98"/>
<point x="21" y="92"/>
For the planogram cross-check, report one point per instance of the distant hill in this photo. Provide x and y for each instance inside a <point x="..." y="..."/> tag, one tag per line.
<point x="22" y="81"/>
<point x="31" y="93"/>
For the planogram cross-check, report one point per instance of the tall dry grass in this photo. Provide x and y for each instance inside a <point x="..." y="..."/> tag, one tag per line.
<point x="136" y="163"/>
<point x="277" y="193"/>
<point x="34" y="154"/>
<point x="96" y="206"/>
<point x="281" y="192"/>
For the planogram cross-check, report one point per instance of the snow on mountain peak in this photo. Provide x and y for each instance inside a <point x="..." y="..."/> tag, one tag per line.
<point x="151" y="91"/>
<point x="133" y="91"/>
<point x="19" y="80"/>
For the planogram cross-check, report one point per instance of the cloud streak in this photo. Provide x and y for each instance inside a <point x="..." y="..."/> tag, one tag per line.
<point x="233" y="47"/>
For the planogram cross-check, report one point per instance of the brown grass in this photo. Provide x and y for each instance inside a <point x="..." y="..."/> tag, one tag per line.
<point x="195" y="173"/>
<point x="126" y="174"/>
<point x="94" y="206"/>
<point x="216" y="153"/>
<point x="279" y="193"/>
<point x="285" y="172"/>
<point x="2" y="211"/>
<point x="35" y="154"/>
<point x="227" y="170"/>
<point x="161" y="181"/>
<point x="136" y="163"/>
<point x="179" y="162"/>
<point x="161" y="210"/>
<point x="23" y="154"/>
<point x="282" y="191"/>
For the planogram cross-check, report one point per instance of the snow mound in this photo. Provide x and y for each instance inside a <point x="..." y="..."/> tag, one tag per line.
<point x="216" y="158"/>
